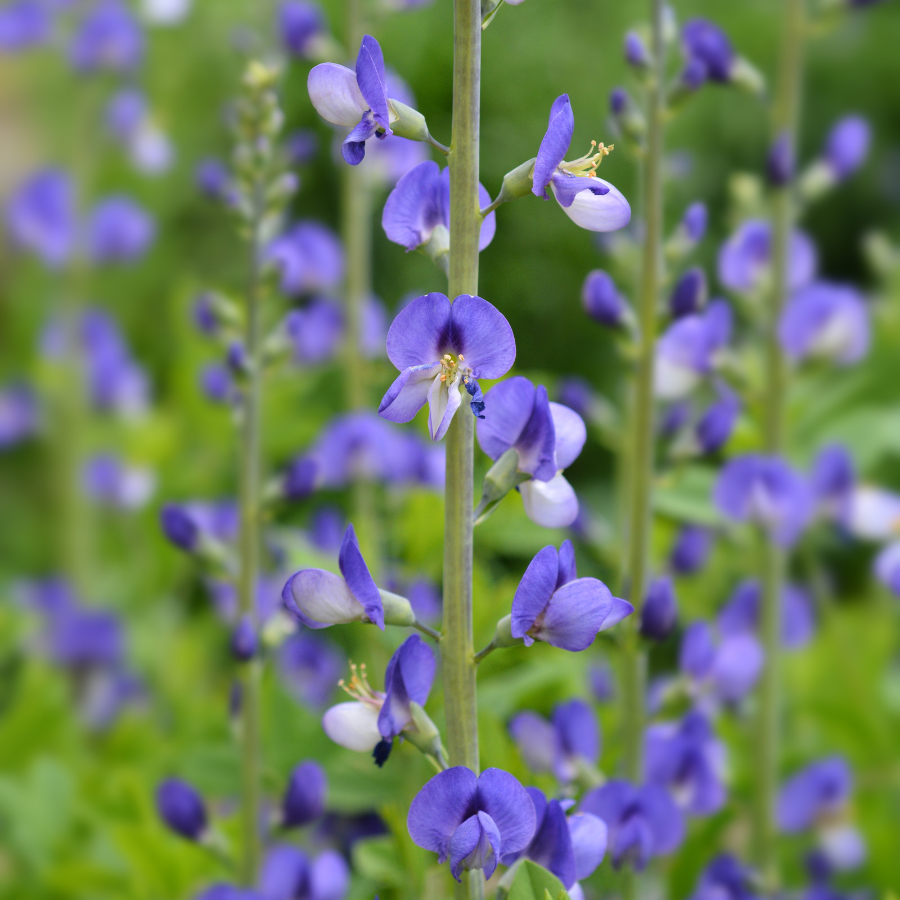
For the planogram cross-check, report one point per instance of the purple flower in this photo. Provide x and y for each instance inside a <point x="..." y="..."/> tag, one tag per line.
<point x="119" y="231"/>
<point x="780" y="161"/>
<point x="577" y="393"/>
<point x="693" y="223"/>
<point x="643" y="821"/>
<point x="309" y="667"/>
<point x="107" y="38"/>
<point x="847" y="146"/>
<point x="746" y="257"/>
<point x="319" y="598"/>
<point x="181" y="808"/>
<point x="213" y="179"/>
<point x="357" y="99"/>
<point x="108" y="481"/>
<point x="618" y="101"/>
<point x="726" y="668"/>
<point x="310" y="258"/>
<point x="439" y="349"/>
<point x="304" y="798"/>
<point x="244" y="640"/>
<point x="125" y="112"/>
<point x="204" y="314"/>
<point x="228" y="892"/>
<point x="315" y="331"/>
<point x="874" y="514"/>
<point x="691" y="549"/>
<point x="635" y="51"/>
<point x="23" y="24"/>
<point x="714" y="429"/>
<point x="741" y="614"/>
<point x="589" y="201"/>
<point x="602" y="301"/>
<point x="19" y="415"/>
<point x="689" y="349"/>
<point x="188" y="525"/>
<point x="472" y="820"/>
<point x="602" y="683"/>
<point x="832" y="481"/>
<point x="301" y="146"/>
<point x="548" y="438"/>
<point x="704" y="42"/>
<point x="725" y="879"/>
<point x="300" y="24"/>
<point x="689" y="294"/>
<point x="766" y="490"/>
<point x="686" y="758"/>
<point x="887" y="568"/>
<point x="217" y="383"/>
<point x="552" y="604"/>
<point x="420" y="203"/>
<point x="288" y="874"/>
<point x="660" y="610"/>
<point x="41" y="216"/>
<point x="564" y="746"/>
<point x="825" y="321"/>
<point x="79" y="638"/>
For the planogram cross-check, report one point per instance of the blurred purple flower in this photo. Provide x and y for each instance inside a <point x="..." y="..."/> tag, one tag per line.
<point x="186" y="525"/>
<point x="659" y="612"/>
<point x="19" y="414"/>
<point x="244" y="640"/>
<point x="108" y="481"/>
<point x="874" y="514"/>
<point x="304" y="798"/>
<point x="108" y="38"/>
<point x="288" y="874"/>
<point x="79" y="638"/>
<point x="635" y="51"/>
<point x="119" y="231"/>
<point x="716" y="425"/>
<point x="741" y="614"/>
<point x="725" y="879"/>
<point x="601" y="681"/>
<point x="213" y="178"/>
<point x="310" y="258"/>
<point x="301" y="146"/>
<point x="689" y="294"/>
<point x="40" y="216"/>
<point x="693" y="223"/>
<point x="24" y="24"/>
<point x="725" y="668"/>
<point x="315" y="331"/>
<point x="310" y="667"/>
<point x="691" y="549"/>
<point x="300" y="25"/>
<point x="780" y="161"/>
<point x="704" y="42"/>
<point x="217" y="383"/>
<point x="602" y="301"/>
<point x="847" y="146"/>
<point x="887" y="567"/>
<point x="181" y="808"/>
<point x="832" y="481"/>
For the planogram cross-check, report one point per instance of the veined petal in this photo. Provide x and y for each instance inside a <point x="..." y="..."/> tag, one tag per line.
<point x="508" y="406"/>
<point x="335" y="94"/>
<point x="322" y="598"/>
<point x="440" y="808"/>
<point x="356" y="574"/>
<point x="371" y="81"/>
<point x="571" y="434"/>
<point x="566" y="187"/>
<point x="554" y="145"/>
<point x="481" y="333"/>
<point x="589" y="836"/>
<point x="534" y="591"/>
<point x="576" y="612"/>
<point x="420" y="333"/>
<point x="537" y="442"/>
<point x="352" y="725"/>
<point x="551" y="504"/>
<point x="408" y="394"/>
<point x="413" y="208"/>
<point x="593" y="212"/>
<point x="505" y="800"/>
<point x="444" y="400"/>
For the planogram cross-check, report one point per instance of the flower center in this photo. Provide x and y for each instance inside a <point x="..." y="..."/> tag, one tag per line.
<point x="586" y="165"/>
<point x="453" y="368"/>
<point x="360" y="689"/>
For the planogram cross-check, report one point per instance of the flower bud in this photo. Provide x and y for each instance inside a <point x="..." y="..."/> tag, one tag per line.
<point x="181" y="808"/>
<point x="780" y="161"/>
<point x="659" y="611"/>
<point x="691" y="549"/>
<point x="847" y="146"/>
<point x="409" y="124"/>
<point x="300" y="478"/>
<point x="179" y="528"/>
<point x="602" y="300"/>
<point x="244" y="642"/>
<point x="517" y="183"/>
<point x="689" y="294"/>
<point x="397" y="610"/>
<point x="304" y="799"/>
<point x="635" y="51"/>
<point x="503" y="635"/>
<point x="717" y="423"/>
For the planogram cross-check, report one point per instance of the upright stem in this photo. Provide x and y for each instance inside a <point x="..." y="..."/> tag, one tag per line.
<point x="640" y="467"/>
<point x="249" y="557"/>
<point x="784" y="124"/>
<point x="465" y="227"/>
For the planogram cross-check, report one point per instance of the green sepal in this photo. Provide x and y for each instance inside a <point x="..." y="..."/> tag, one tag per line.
<point x="517" y="183"/>
<point x="500" y="479"/>
<point x="489" y="9"/>
<point x="409" y="123"/>
<point x="503" y="635"/>
<point x="397" y="609"/>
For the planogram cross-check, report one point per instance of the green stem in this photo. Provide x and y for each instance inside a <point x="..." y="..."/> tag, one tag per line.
<point x="784" y="123"/>
<point x="460" y="700"/>
<point x="640" y="466"/>
<point x="249" y="493"/>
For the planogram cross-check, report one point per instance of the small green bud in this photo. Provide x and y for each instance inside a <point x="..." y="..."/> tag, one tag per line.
<point x="517" y="183"/>
<point x="503" y="635"/>
<point x="748" y="78"/>
<point x="258" y="76"/>
<point x="397" y="609"/>
<point x="409" y="123"/>
<point x="815" y="181"/>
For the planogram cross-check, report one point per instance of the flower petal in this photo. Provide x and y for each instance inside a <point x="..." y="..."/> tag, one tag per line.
<point x="356" y="573"/>
<point x="567" y="570"/>
<point x="576" y="612"/>
<point x="571" y="434"/>
<point x="330" y="876"/>
<point x="505" y="800"/>
<point x="420" y="333"/>
<point x="371" y="80"/>
<point x="353" y="725"/>
<point x="537" y="442"/>
<point x="554" y="145"/>
<point x="534" y="590"/>
<point x="507" y="408"/>
<point x="408" y="394"/>
<point x="444" y="400"/>
<point x="551" y="846"/>
<point x="413" y="208"/>
<point x="489" y="225"/>
<point x="321" y="598"/>
<point x="608" y="212"/>
<point x="551" y="504"/>
<point x="475" y="845"/>
<point x="589" y="835"/>
<point x="566" y="187"/>
<point x="335" y="94"/>
<point x="440" y="808"/>
<point x="480" y="332"/>
<point x="353" y="149"/>
<point x="536" y="739"/>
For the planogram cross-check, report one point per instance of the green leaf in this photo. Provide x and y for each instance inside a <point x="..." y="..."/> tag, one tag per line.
<point x="532" y="882"/>
<point x="377" y="859"/>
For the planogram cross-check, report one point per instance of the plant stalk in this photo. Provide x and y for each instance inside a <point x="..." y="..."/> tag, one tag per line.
<point x="784" y="123"/>
<point x="457" y="649"/>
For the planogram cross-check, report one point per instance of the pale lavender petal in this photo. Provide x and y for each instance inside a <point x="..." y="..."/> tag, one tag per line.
<point x="555" y="144"/>
<point x="536" y="739"/>
<point x="571" y="434"/>
<point x="482" y="335"/>
<point x="413" y="208"/>
<point x="475" y="845"/>
<point x="352" y="725"/>
<point x="566" y="187"/>
<point x="551" y="504"/>
<point x="321" y="598"/>
<point x="408" y="394"/>
<point x="508" y="804"/>
<point x="444" y="400"/>
<point x="534" y="591"/>
<point x="575" y="614"/>
<point x="440" y="808"/>
<point x="356" y="574"/>
<point x="330" y="877"/>
<point x="589" y="836"/>
<point x="335" y="94"/>
<point x="420" y="333"/>
<point x="593" y="212"/>
<point x="489" y="226"/>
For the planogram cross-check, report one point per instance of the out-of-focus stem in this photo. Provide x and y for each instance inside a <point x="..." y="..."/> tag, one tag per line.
<point x="784" y="124"/>
<point x="460" y="701"/>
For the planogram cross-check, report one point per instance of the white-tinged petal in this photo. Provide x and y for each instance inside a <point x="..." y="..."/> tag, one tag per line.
<point x="843" y="845"/>
<point x="336" y="95"/>
<point x="353" y="725"/>
<point x="672" y="381"/>
<point x="443" y="402"/>
<point x="552" y="504"/>
<point x="596" y="212"/>
<point x="571" y="434"/>
<point x="325" y="597"/>
<point x="874" y="514"/>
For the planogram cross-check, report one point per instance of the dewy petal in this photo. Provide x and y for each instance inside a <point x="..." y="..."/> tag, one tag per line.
<point x="408" y="394"/>
<point x="537" y="442"/>
<point x="356" y="574"/>
<point x="555" y="144"/>
<point x="508" y="406"/>
<point x="371" y="81"/>
<point x="505" y="800"/>
<point x="413" y="208"/>
<point x="575" y="614"/>
<point x="353" y="725"/>
<point x="589" y="836"/>
<point x="551" y="504"/>
<point x="321" y="598"/>
<point x="440" y="808"/>
<point x="534" y="591"/>
<point x="420" y="333"/>
<point x="475" y="845"/>
<point x="480" y="332"/>
<point x="444" y="400"/>
<point x="608" y="212"/>
<point x="571" y="434"/>
<point x="335" y="94"/>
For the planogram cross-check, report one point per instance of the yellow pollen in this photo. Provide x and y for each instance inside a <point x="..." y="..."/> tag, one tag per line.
<point x="461" y="358"/>
<point x="443" y="376"/>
